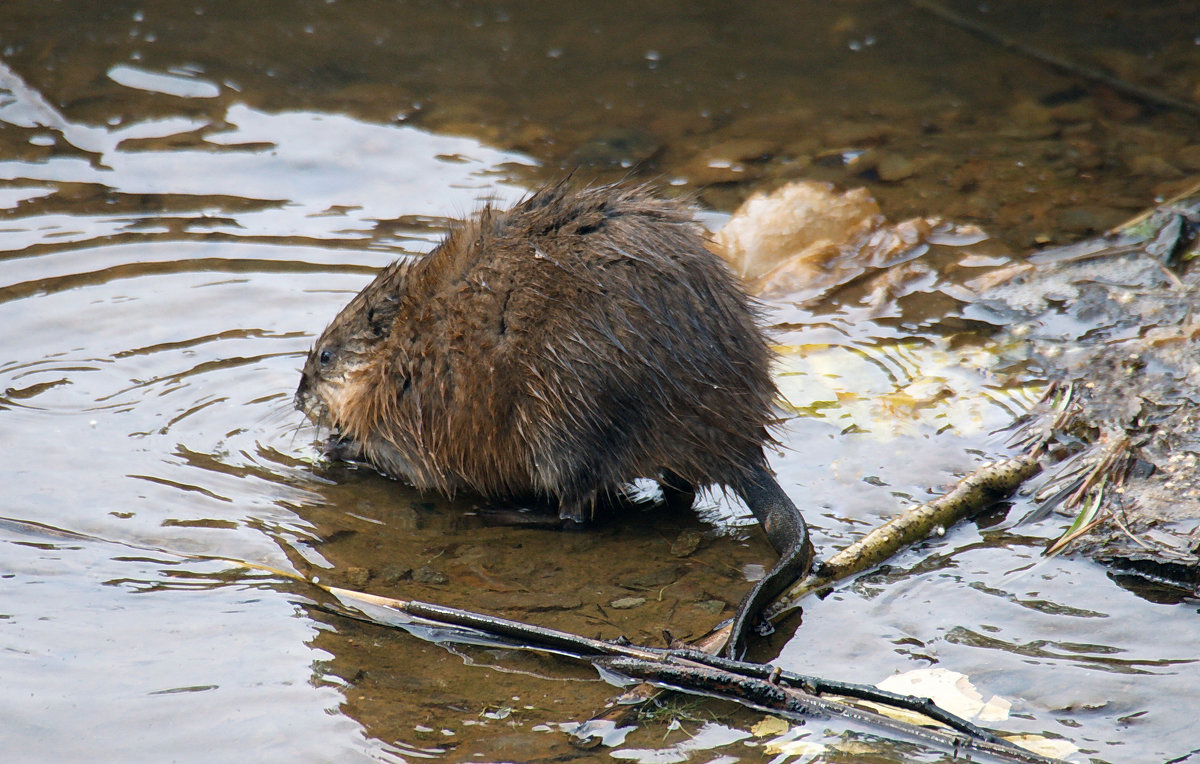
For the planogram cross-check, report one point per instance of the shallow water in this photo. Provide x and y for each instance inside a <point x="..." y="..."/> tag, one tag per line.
<point x="189" y="192"/>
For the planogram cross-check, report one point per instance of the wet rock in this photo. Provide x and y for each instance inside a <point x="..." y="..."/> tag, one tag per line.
<point x="1036" y="133"/>
<point x="1029" y="120"/>
<point x="627" y="603"/>
<point x="731" y="161"/>
<point x="1085" y="154"/>
<point x="1078" y="128"/>
<point x="791" y="121"/>
<point x="1028" y="113"/>
<point x="392" y="575"/>
<point x="407" y="518"/>
<point x="713" y="607"/>
<point x="532" y="602"/>
<point x="1090" y="219"/>
<point x="428" y="575"/>
<point x="704" y="171"/>
<point x="1189" y="158"/>
<point x="518" y="745"/>
<point x="1133" y="140"/>
<point x="894" y="167"/>
<point x="357" y="577"/>
<point x="1153" y="166"/>
<point x="1076" y="111"/>
<point x="654" y="579"/>
<point x="850" y="134"/>
<point x="686" y="543"/>
<point x="620" y="147"/>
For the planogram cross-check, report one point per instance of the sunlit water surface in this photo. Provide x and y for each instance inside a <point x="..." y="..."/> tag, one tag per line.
<point x="161" y="278"/>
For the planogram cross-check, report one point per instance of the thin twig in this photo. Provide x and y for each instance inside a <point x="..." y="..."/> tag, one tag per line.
<point x="1139" y="92"/>
<point x="971" y="494"/>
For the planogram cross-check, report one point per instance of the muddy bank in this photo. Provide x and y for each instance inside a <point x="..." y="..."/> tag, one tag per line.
<point x="1112" y="323"/>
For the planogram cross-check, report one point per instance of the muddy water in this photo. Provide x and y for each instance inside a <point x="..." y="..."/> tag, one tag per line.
<point x="189" y="191"/>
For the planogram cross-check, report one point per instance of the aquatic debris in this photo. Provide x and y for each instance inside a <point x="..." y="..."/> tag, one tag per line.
<point x="950" y="690"/>
<point x="806" y="238"/>
<point x="1113" y="322"/>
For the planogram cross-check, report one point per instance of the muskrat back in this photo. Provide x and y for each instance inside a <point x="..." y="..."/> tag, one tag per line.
<point x="557" y="351"/>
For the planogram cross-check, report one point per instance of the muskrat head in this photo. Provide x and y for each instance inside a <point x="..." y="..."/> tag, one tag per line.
<point x="336" y="377"/>
<point x="327" y="381"/>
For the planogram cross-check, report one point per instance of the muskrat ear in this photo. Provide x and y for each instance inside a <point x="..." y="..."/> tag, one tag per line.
<point x="380" y="315"/>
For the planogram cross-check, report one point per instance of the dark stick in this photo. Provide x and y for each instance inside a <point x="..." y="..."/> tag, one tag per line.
<point x="795" y="703"/>
<point x="697" y="671"/>
<point x="815" y="685"/>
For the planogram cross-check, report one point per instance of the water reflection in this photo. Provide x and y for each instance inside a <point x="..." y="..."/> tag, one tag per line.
<point x="310" y="175"/>
<point x="145" y="400"/>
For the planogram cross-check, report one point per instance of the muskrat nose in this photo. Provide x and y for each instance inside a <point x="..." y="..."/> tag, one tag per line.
<point x="299" y="399"/>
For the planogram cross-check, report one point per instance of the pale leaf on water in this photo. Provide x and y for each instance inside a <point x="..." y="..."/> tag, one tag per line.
<point x="950" y="690"/>
<point x="770" y="726"/>
<point x="1053" y="748"/>
<point x="793" y="749"/>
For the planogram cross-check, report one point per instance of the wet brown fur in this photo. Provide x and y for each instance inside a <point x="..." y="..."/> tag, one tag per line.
<point x="558" y="350"/>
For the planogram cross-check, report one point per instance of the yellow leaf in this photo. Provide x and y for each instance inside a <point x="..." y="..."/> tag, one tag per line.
<point x="793" y="748"/>
<point x="770" y="726"/>
<point x="1054" y="748"/>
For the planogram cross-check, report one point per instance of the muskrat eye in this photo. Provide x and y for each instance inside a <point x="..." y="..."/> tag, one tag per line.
<point x="325" y="357"/>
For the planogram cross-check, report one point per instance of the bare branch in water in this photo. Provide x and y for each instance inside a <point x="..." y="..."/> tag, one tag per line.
<point x="789" y="695"/>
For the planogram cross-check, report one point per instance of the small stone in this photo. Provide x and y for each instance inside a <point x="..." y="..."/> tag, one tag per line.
<point x="358" y="577"/>
<point x="743" y="150"/>
<point x="713" y="607"/>
<point x="728" y="162"/>
<point x="1189" y="157"/>
<point x="894" y="167"/>
<point x="703" y="171"/>
<point x="533" y="602"/>
<point x="1153" y="166"/>
<point x="1027" y="114"/>
<point x="394" y="574"/>
<point x="619" y="147"/>
<point x="686" y="543"/>
<point x="1089" y="219"/>
<point x="427" y="575"/>
<point x="849" y="134"/>
<point x="407" y="518"/>
<point x="627" y="603"/>
<point x="1085" y="154"/>
<point x="655" y="579"/>
<point x="1076" y="111"/>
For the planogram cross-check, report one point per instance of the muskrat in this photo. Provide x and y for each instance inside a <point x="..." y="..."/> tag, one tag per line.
<point x="557" y="351"/>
